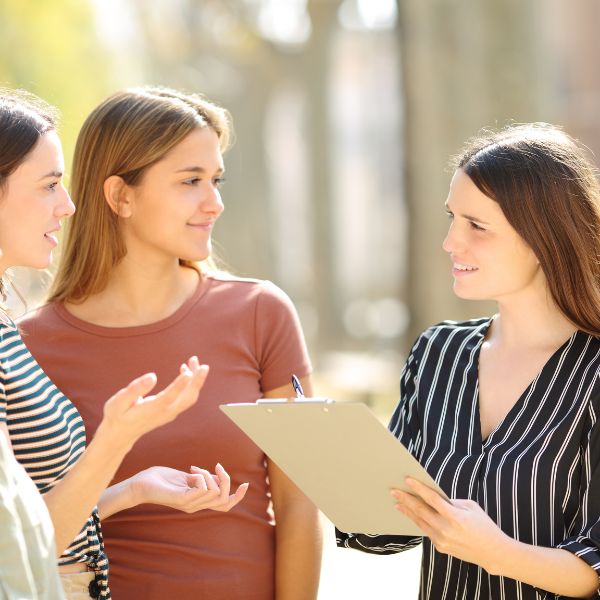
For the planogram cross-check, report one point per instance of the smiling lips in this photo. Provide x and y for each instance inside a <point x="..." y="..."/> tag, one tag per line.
<point x="459" y="269"/>
<point x="207" y="225"/>
<point x="53" y="239"/>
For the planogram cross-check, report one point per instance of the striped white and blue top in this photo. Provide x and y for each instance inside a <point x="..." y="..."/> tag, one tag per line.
<point x="48" y="437"/>
<point x="537" y="475"/>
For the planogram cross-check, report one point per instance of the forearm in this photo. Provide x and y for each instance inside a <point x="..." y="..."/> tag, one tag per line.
<point x="73" y="498"/>
<point x="552" y="569"/>
<point x="298" y="552"/>
<point x="116" y="498"/>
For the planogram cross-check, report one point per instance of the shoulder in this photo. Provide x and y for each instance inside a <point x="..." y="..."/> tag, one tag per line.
<point x="37" y="318"/>
<point x="246" y="289"/>
<point x="450" y="336"/>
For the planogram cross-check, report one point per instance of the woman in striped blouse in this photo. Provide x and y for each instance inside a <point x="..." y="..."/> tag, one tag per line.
<point x="42" y="426"/>
<point x="504" y="412"/>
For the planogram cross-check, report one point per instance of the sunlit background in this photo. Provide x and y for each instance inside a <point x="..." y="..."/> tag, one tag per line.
<point x="346" y="112"/>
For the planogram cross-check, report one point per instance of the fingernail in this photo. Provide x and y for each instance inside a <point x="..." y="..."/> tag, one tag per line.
<point x="410" y="482"/>
<point x="396" y="493"/>
<point x="185" y="370"/>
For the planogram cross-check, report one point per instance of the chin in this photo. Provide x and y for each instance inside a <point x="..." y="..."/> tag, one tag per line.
<point x="39" y="263"/>
<point x="197" y="256"/>
<point x="468" y="294"/>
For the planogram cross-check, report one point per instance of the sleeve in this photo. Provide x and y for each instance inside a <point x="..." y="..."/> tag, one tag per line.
<point x="280" y="346"/>
<point x="404" y="424"/>
<point x="585" y="541"/>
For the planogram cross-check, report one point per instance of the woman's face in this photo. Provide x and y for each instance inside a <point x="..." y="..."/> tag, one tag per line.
<point x="490" y="261"/>
<point x="173" y="209"/>
<point x="32" y="204"/>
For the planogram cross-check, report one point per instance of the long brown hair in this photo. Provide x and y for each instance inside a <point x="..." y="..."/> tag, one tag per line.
<point x="548" y="191"/>
<point x="125" y="135"/>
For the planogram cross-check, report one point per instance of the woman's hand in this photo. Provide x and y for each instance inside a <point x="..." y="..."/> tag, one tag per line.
<point x="189" y="492"/>
<point x="129" y="414"/>
<point x="460" y="528"/>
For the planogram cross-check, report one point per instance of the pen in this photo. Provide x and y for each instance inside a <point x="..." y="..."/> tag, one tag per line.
<point x="297" y="387"/>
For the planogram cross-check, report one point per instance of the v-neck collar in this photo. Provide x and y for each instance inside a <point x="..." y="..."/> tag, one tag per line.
<point x="525" y="395"/>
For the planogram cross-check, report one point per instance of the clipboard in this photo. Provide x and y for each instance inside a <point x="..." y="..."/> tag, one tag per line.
<point x="339" y="455"/>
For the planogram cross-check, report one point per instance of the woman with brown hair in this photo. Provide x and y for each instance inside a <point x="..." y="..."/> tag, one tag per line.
<point x="504" y="412"/>
<point x="41" y="425"/>
<point x="135" y="287"/>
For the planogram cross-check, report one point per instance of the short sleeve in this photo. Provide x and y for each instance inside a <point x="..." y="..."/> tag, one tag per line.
<point x="585" y="539"/>
<point x="404" y="425"/>
<point x="280" y="346"/>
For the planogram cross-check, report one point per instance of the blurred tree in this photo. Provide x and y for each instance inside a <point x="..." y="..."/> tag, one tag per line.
<point x="52" y="50"/>
<point x="465" y="65"/>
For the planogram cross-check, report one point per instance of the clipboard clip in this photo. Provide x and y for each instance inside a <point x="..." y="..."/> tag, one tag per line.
<point x="302" y="400"/>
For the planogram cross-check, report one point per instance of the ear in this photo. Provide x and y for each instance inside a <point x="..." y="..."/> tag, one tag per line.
<point x="118" y="196"/>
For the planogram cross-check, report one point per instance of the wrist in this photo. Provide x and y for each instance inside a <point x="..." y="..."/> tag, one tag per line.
<point x="128" y="492"/>
<point x="109" y="436"/>
<point x="503" y="550"/>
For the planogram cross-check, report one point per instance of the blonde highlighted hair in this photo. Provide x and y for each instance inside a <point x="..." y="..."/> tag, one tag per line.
<point x="125" y="135"/>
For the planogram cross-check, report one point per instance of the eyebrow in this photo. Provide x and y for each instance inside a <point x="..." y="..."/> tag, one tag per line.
<point x="56" y="174"/>
<point x="468" y="217"/>
<point x="198" y="170"/>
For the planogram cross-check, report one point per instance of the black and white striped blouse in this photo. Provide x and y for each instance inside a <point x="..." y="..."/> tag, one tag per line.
<point x="537" y="475"/>
<point x="48" y="437"/>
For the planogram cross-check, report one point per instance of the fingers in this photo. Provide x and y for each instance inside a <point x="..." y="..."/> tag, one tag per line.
<point x="224" y="481"/>
<point x="239" y="495"/>
<point x="194" y="375"/>
<point x="138" y="387"/>
<point x="431" y="497"/>
<point x="128" y="396"/>
<point x="221" y="483"/>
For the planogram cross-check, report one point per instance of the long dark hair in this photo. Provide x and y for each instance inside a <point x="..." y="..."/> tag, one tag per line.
<point x="548" y="191"/>
<point x="23" y="119"/>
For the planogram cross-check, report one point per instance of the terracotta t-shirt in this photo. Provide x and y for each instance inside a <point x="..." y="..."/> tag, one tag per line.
<point x="249" y="334"/>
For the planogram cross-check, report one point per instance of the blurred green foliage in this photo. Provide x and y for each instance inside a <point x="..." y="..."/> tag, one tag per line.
<point x="50" y="48"/>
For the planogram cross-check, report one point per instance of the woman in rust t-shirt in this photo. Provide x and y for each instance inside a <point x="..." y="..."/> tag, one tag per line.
<point x="130" y="296"/>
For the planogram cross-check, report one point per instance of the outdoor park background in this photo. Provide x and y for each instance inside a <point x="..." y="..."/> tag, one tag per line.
<point x="346" y="112"/>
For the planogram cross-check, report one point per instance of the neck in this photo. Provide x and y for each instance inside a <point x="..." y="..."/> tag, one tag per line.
<point x="139" y="293"/>
<point x="531" y="320"/>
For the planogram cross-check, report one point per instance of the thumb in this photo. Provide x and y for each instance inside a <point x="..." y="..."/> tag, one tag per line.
<point x="141" y="386"/>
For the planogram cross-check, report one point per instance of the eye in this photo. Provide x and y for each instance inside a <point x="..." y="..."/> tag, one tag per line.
<point x="192" y="181"/>
<point x="52" y="186"/>
<point x="476" y="227"/>
<point x="218" y="181"/>
<point x="449" y="215"/>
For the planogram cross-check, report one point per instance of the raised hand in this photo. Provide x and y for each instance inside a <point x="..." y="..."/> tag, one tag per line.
<point x="189" y="492"/>
<point x="460" y="528"/>
<point x="130" y="413"/>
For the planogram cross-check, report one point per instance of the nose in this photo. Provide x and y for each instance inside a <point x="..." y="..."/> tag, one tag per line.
<point x="212" y="202"/>
<point x="451" y="241"/>
<point x="65" y="207"/>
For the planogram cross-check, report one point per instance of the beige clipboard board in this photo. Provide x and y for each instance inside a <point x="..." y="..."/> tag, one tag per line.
<point x="339" y="455"/>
